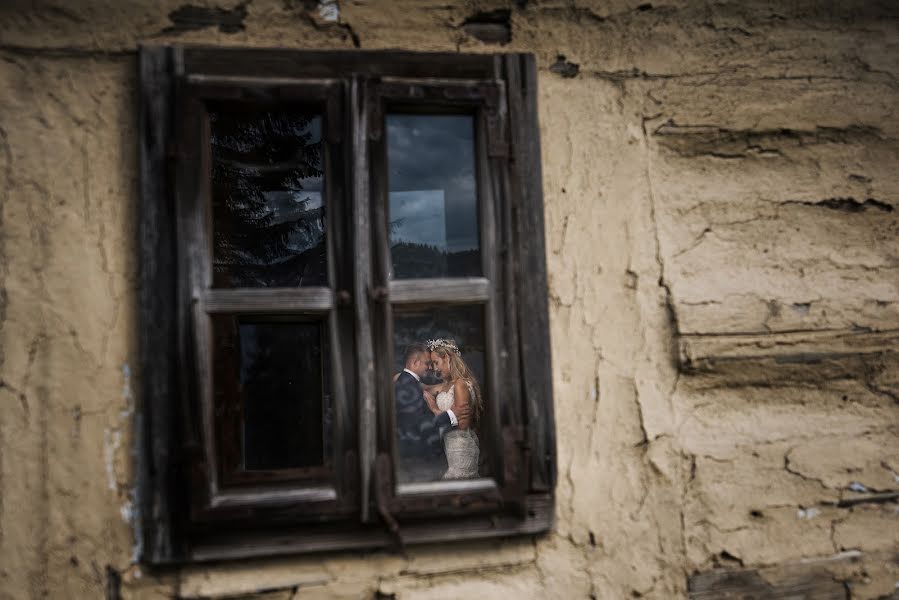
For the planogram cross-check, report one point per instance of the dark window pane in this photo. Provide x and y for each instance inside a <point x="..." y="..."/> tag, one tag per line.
<point x="443" y="350"/>
<point x="273" y="391"/>
<point x="268" y="202"/>
<point x="433" y="196"/>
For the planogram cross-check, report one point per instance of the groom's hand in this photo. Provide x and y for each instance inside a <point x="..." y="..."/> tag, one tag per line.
<point x="462" y="410"/>
<point x="431" y="400"/>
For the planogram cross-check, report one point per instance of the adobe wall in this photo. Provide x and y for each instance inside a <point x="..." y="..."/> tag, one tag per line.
<point x="721" y="187"/>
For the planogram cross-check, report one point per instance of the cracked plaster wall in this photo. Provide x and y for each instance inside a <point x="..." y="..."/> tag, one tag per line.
<point x="721" y="189"/>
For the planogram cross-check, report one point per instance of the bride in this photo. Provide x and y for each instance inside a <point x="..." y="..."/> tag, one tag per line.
<point x="461" y="393"/>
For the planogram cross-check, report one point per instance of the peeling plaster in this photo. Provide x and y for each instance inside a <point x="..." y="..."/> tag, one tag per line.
<point x="112" y="440"/>
<point x="329" y="11"/>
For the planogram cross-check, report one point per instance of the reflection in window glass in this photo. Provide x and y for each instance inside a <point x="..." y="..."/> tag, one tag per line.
<point x="267" y="198"/>
<point x="271" y="381"/>
<point x="439" y="354"/>
<point x="433" y="196"/>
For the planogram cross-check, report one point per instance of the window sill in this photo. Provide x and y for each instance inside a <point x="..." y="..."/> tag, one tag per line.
<point x="537" y="519"/>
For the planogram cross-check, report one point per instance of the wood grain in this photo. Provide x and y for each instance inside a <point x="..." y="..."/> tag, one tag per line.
<point x="308" y="300"/>
<point x="461" y="290"/>
<point x="530" y="269"/>
<point x="806" y="584"/>
<point x="155" y="438"/>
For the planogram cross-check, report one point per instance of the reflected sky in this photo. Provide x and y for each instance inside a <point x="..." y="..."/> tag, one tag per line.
<point x="418" y="217"/>
<point x="430" y="155"/>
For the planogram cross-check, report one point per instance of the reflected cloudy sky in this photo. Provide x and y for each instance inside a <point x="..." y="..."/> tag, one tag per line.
<point x="433" y="198"/>
<point x="418" y="217"/>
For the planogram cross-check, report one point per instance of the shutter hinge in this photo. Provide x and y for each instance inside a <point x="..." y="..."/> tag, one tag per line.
<point x="383" y="490"/>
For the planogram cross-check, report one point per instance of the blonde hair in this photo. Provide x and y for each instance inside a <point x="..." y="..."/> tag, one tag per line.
<point x="459" y="370"/>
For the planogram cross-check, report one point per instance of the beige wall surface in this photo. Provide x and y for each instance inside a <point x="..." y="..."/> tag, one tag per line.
<point x="721" y="182"/>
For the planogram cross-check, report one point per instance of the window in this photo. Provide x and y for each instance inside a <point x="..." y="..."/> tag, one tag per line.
<point x="344" y="314"/>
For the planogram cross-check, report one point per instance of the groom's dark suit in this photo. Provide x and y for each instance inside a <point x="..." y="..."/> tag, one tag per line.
<point x="419" y="433"/>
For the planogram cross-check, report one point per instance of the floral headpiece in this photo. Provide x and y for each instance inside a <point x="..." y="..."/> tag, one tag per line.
<point x="442" y="343"/>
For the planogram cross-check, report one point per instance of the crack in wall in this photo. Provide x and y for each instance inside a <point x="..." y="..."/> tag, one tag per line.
<point x="333" y="23"/>
<point x="846" y="204"/>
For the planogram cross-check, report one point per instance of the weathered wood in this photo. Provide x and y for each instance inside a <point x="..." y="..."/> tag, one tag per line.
<point x="156" y="441"/>
<point x="442" y="94"/>
<point x="191" y="185"/>
<point x="512" y="415"/>
<point x="306" y="87"/>
<point x="462" y="290"/>
<point x="531" y="278"/>
<point x="228" y="400"/>
<point x="486" y="101"/>
<point x="270" y="62"/>
<point x="709" y="352"/>
<point x="365" y="360"/>
<point x="326" y="538"/>
<point x="483" y="484"/>
<point x="877" y="498"/>
<point x="805" y="584"/>
<point x="308" y="300"/>
<point x="218" y="460"/>
<point x="471" y="85"/>
<point x="384" y="424"/>
<point x="490" y="419"/>
<point x="337" y="159"/>
<point x="357" y="303"/>
<point x="274" y="497"/>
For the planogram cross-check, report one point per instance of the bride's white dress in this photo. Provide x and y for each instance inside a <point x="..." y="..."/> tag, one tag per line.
<point x="460" y="445"/>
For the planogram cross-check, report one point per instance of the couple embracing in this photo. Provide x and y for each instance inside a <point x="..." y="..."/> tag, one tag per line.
<point x="435" y="423"/>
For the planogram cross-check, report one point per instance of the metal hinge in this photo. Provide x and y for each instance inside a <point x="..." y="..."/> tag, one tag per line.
<point x="383" y="489"/>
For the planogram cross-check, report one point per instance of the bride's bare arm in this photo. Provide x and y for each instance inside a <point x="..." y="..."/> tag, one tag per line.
<point x="462" y="404"/>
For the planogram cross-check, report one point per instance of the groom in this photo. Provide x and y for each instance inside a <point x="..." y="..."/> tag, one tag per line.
<point x="419" y="432"/>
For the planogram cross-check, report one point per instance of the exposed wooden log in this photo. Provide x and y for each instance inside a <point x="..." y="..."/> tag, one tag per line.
<point x="710" y="352"/>
<point x="813" y="583"/>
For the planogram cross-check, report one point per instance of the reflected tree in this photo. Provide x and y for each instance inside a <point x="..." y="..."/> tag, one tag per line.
<point x="269" y="213"/>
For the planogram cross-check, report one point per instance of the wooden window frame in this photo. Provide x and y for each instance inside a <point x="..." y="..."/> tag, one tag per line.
<point x="186" y="515"/>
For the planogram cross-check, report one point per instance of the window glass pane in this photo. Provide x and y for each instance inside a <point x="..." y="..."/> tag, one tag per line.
<point x="433" y="223"/>
<point x="440" y="365"/>
<point x="272" y="393"/>
<point x="268" y="204"/>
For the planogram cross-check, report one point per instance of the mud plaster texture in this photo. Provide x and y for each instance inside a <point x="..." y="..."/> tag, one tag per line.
<point x="721" y="191"/>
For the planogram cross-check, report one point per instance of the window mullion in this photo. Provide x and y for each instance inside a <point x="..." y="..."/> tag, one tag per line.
<point x="530" y="270"/>
<point x="489" y="128"/>
<point x="340" y="325"/>
<point x="361" y="284"/>
<point x="380" y="423"/>
<point x="195" y="254"/>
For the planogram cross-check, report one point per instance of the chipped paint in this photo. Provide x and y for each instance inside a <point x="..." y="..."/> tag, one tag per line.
<point x="808" y="513"/>
<point x="112" y="441"/>
<point x="329" y="11"/>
